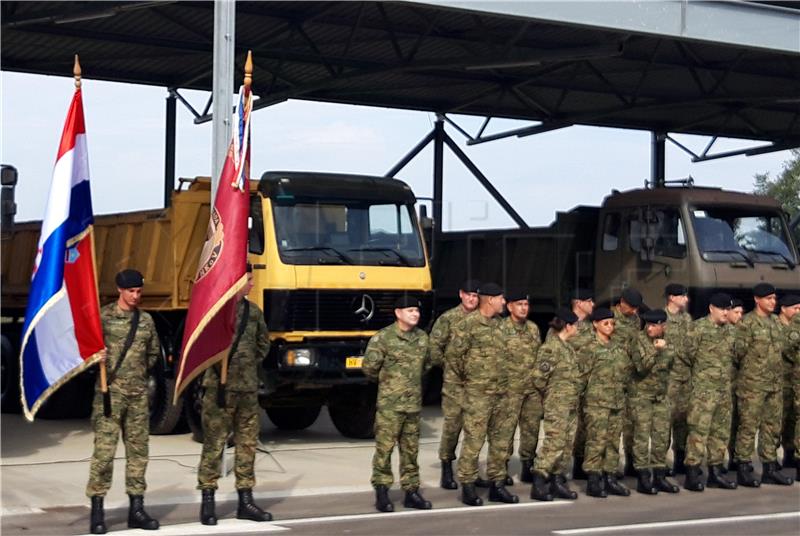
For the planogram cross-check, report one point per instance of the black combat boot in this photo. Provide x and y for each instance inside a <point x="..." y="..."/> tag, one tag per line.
<point x="137" y="517"/>
<point x="508" y="481"/>
<point x="499" y="493"/>
<point x="772" y="475"/>
<point x="733" y="466"/>
<point x="717" y="478"/>
<point x="693" y="481"/>
<point x="469" y="496"/>
<point x="415" y="500"/>
<point x="540" y="491"/>
<point x="614" y="487"/>
<point x="207" y="514"/>
<point x="97" y="520"/>
<point x="788" y="458"/>
<point x="483" y="483"/>
<point x="560" y="489"/>
<point x="629" y="469"/>
<point x="679" y="462"/>
<point x="382" y="502"/>
<point x="645" y="483"/>
<point x="577" y="469"/>
<point x="248" y="509"/>
<point x="595" y="485"/>
<point x="662" y="484"/>
<point x="525" y="474"/>
<point x="447" y="481"/>
<point x="745" y="475"/>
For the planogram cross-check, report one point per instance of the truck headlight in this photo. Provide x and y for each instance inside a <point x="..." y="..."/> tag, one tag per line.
<point x="298" y="357"/>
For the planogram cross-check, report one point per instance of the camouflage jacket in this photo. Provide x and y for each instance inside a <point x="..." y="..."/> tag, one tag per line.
<point x="675" y="334"/>
<point x="790" y="338"/>
<point x="579" y="340"/>
<point x="131" y="378"/>
<point x="609" y="374"/>
<point x="478" y="353"/>
<point x="251" y="351"/>
<point x="758" y="351"/>
<point x="556" y="370"/>
<point x="522" y="341"/>
<point x="397" y="359"/>
<point x="652" y="367"/>
<point x="730" y="332"/>
<point x="440" y="338"/>
<point x="710" y="353"/>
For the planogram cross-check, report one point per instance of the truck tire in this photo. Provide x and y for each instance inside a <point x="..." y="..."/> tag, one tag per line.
<point x="193" y="409"/>
<point x="9" y="377"/>
<point x="352" y="410"/>
<point x="164" y="415"/>
<point x="296" y="418"/>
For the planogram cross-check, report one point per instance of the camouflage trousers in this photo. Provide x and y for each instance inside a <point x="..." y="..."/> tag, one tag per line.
<point x="452" y="404"/>
<point x="761" y="412"/>
<point x="486" y="417"/>
<point x="651" y="417"/>
<point x="603" y="428"/>
<point x="788" y="432"/>
<point x="734" y="424"/>
<point x="579" y="433"/>
<point x="130" y="415"/>
<point x="709" y="423"/>
<point x="560" y="417"/>
<point x="240" y="416"/>
<point x="678" y="394"/>
<point x="396" y="428"/>
<point x="627" y="428"/>
<point x="531" y="413"/>
<point x="796" y="392"/>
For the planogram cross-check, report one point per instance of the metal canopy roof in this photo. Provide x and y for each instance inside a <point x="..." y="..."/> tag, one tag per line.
<point x="505" y="62"/>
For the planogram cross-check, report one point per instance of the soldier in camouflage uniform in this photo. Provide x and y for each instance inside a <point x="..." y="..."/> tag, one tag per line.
<point x="679" y="388"/>
<point x="239" y="415"/>
<point x="523" y="401"/>
<point x="556" y="378"/>
<point x="626" y="330"/>
<point x="397" y="356"/>
<point x="452" y="389"/>
<point x="652" y="358"/>
<point x="734" y="317"/>
<point x="130" y="415"/>
<point x="709" y="354"/>
<point x="789" y="308"/>
<point x="758" y="349"/>
<point x="604" y="399"/>
<point x="792" y="352"/>
<point x="478" y="353"/>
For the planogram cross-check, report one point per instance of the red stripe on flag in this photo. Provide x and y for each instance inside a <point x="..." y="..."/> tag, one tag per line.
<point x="73" y="126"/>
<point x="79" y="278"/>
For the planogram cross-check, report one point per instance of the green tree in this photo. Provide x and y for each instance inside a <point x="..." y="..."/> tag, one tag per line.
<point x="785" y="187"/>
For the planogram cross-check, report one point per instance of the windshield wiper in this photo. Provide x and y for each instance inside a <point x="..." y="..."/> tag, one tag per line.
<point x="744" y="255"/>
<point x="336" y="252"/>
<point x="400" y="256"/>
<point x="786" y="259"/>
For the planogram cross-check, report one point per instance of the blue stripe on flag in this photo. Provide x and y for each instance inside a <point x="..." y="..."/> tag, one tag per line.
<point x="80" y="209"/>
<point x="35" y="381"/>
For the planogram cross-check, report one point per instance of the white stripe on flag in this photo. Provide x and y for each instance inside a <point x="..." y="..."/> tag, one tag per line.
<point x="71" y="168"/>
<point x="56" y="342"/>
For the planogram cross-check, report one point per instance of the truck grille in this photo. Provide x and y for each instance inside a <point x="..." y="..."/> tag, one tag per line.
<point x="337" y="310"/>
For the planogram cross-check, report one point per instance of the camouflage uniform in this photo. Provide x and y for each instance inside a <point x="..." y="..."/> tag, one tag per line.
<point x="649" y="403"/>
<point x="626" y="331"/>
<point x="523" y="401"/>
<point x="758" y="389"/>
<point x="791" y="385"/>
<point x="604" y="400"/>
<point x="129" y="405"/>
<point x="397" y="359"/>
<point x="709" y="419"/>
<point x="452" y="388"/>
<point x="557" y="378"/>
<point x="730" y="332"/>
<point x="241" y="412"/>
<point x="477" y="352"/>
<point x="679" y="389"/>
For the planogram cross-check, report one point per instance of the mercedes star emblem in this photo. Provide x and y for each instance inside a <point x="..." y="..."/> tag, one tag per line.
<point x="366" y="308"/>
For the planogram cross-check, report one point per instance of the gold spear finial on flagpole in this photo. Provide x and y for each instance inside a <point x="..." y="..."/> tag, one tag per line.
<point x="76" y="72"/>
<point x="248" y="69"/>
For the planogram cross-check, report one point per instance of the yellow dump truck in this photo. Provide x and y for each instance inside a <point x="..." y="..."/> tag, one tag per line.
<point x="331" y="253"/>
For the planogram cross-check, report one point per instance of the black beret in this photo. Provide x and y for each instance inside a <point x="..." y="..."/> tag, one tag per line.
<point x="566" y="315"/>
<point x="643" y="308"/>
<point x="789" y="300"/>
<point x="632" y="297"/>
<point x="490" y="289"/>
<point x="601" y="313"/>
<point x="129" y="279"/>
<point x="722" y="300"/>
<point x="470" y="285"/>
<point x="582" y="294"/>
<point x="736" y="302"/>
<point x="517" y="295"/>
<point x="655" y="316"/>
<point x="405" y="301"/>
<point x="763" y="289"/>
<point x="675" y="289"/>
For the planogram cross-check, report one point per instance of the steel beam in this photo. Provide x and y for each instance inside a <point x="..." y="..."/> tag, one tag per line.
<point x="224" y="45"/>
<point x="169" y="149"/>
<point x="658" y="161"/>
<point x="439" y="138"/>
<point x="411" y="154"/>
<point x="752" y="151"/>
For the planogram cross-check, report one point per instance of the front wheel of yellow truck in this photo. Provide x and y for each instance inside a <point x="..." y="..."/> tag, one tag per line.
<point x="293" y="418"/>
<point x="352" y="410"/>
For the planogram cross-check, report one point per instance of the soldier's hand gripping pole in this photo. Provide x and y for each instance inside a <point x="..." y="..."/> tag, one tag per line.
<point x="223" y="379"/>
<point x="104" y="386"/>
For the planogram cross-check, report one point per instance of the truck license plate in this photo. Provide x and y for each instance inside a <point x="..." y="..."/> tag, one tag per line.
<point x="354" y="362"/>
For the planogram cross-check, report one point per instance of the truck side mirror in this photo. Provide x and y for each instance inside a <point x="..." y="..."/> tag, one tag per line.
<point x="426" y="223"/>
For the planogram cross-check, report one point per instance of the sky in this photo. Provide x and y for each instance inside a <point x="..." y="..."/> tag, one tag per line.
<point x="539" y="175"/>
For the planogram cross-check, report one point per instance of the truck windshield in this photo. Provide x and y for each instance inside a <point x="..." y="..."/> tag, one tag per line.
<point x="736" y="234"/>
<point x="347" y="232"/>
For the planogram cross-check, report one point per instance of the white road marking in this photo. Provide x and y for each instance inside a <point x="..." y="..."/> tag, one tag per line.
<point x="683" y="523"/>
<point x="19" y="511"/>
<point x="234" y="526"/>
